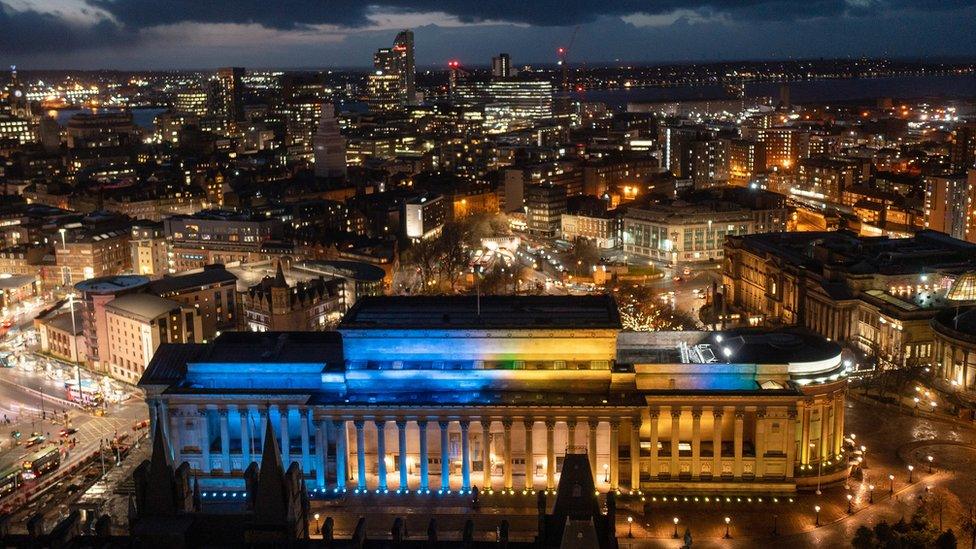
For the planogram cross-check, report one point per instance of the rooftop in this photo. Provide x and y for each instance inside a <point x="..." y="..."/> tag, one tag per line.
<point x="145" y="306"/>
<point x="498" y="312"/>
<point x="211" y="274"/>
<point x="110" y="284"/>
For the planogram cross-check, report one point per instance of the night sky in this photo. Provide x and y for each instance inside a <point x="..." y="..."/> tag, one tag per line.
<point x="163" y="34"/>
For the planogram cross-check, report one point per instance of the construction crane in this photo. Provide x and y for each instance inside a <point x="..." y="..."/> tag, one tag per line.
<point x="562" y="53"/>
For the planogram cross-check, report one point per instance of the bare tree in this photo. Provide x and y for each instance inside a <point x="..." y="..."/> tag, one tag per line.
<point x="969" y="526"/>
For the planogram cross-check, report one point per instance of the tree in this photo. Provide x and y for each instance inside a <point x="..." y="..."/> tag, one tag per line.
<point x="939" y="501"/>
<point x="863" y="538"/>
<point x="946" y="540"/>
<point x="425" y="256"/>
<point x="969" y="526"/>
<point x="453" y="249"/>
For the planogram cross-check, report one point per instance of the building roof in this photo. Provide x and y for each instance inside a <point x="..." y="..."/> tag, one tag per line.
<point x="145" y="306"/>
<point x="211" y="274"/>
<point x="964" y="288"/>
<point x="458" y="312"/>
<point x="62" y="321"/>
<point x="110" y="284"/>
<point x="357" y="270"/>
<point x="13" y="282"/>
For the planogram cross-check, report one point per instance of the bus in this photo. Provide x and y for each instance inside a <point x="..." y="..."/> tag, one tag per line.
<point x="89" y="395"/>
<point x="9" y="480"/>
<point x="41" y="462"/>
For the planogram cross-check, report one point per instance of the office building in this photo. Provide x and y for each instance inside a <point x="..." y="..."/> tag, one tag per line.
<point x="196" y="102"/>
<point x="227" y="96"/>
<point x="61" y="336"/>
<point x="746" y="159"/>
<point x="825" y="180"/>
<point x="501" y="66"/>
<point x="149" y="249"/>
<point x="217" y="236"/>
<point x="95" y="293"/>
<point x="424" y="216"/>
<point x="950" y="204"/>
<point x="408" y="395"/>
<point x="212" y="291"/>
<point x="962" y="151"/>
<point x="545" y="205"/>
<point x="391" y="85"/>
<point x="328" y="145"/>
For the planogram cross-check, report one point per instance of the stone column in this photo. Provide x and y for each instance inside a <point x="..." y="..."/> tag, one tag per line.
<point x="321" y="453"/>
<point x="529" y="423"/>
<point x="285" y="439"/>
<point x="655" y="470"/>
<point x="465" y="457"/>
<point x="717" y="442"/>
<point x="401" y="425"/>
<point x="593" y="424"/>
<point x="696" y="415"/>
<point x="381" y="485"/>
<point x="824" y="431"/>
<point x="675" y="439"/>
<point x="760" y="468"/>
<point x="737" y="468"/>
<point x="635" y="457"/>
<point x="790" y="443"/>
<point x="805" y="435"/>
<point x="245" y="414"/>
<point x="342" y="454"/>
<point x="175" y="440"/>
<point x="424" y="457"/>
<point x="486" y="454"/>
<point x="203" y="416"/>
<point x="571" y="434"/>
<point x="550" y="454"/>
<point x="839" y="412"/>
<point x="264" y="416"/>
<point x="360" y="455"/>
<point x="306" y="448"/>
<point x="614" y="454"/>
<point x="507" y="426"/>
<point x="445" y="457"/>
<point x="224" y="441"/>
<point x="153" y="405"/>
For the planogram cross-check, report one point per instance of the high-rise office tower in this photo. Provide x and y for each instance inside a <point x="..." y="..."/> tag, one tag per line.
<point x="392" y="84"/>
<point x="963" y="150"/>
<point x="501" y="66"/>
<point x="329" y="145"/>
<point x="228" y="93"/>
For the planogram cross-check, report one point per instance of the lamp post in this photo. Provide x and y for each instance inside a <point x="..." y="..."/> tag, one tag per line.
<point x="64" y="242"/>
<point x="870" y="493"/>
<point x="850" y="507"/>
<point x="630" y="527"/>
<point x="728" y="535"/>
<point x="675" y="534"/>
<point x="816" y="510"/>
<point x="929" y="458"/>
<point x="318" y="529"/>
<point x="864" y="453"/>
<point x="606" y="472"/>
<point x="891" y="487"/>
<point x="911" y="474"/>
<point x="819" y="468"/>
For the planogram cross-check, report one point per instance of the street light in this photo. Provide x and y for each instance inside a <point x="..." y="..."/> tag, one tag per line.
<point x="929" y="458"/>
<point x="816" y="509"/>
<point x="675" y="535"/>
<point x="819" y="469"/>
<point x="891" y="488"/>
<point x="911" y="473"/>
<point x="630" y="527"/>
<point x="728" y="535"/>
<point x="64" y="243"/>
<point x="606" y="472"/>
<point x="870" y="493"/>
<point x="318" y="529"/>
<point x="850" y="508"/>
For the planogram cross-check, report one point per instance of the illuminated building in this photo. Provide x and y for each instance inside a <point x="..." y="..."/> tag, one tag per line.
<point x="877" y="294"/>
<point x="424" y="216"/>
<point x="217" y="236"/>
<point x="149" y="250"/>
<point x="950" y="204"/>
<point x="62" y="337"/>
<point x="782" y="146"/>
<point x="15" y="100"/>
<point x="825" y="179"/>
<point x="227" y="97"/>
<point x="501" y="66"/>
<point x="746" y="159"/>
<point x="95" y="293"/>
<point x="600" y="229"/>
<point x="329" y="146"/>
<point x="435" y="394"/>
<point x="196" y="102"/>
<point x="17" y="129"/>
<point x="545" y="205"/>
<point x="273" y="305"/>
<point x="954" y="355"/>
<point x="211" y="291"/>
<point x="963" y="150"/>
<point x="84" y="254"/>
<point x="391" y="84"/>
<point x="694" y="230"/>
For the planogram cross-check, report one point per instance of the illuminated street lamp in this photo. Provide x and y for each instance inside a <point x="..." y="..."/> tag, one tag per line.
<point x="929" y="458"/>
<point x="728" y="534"/>
<point x="891" y="488"/>
<point x="675" y="535"/>
<point x="606" y="472"/>
<point x="911" y="473"/>
<point x="318" y="529"/>
<point x="816" y="509"/>
<point x="630" y="527"/>
<point x="850" y="508"/>
<point x="870" y="493"/>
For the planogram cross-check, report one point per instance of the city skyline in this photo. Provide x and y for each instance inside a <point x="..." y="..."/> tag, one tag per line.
<point x="92" y="34"/>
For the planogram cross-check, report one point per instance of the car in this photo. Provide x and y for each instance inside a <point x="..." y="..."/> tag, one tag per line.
<point x="15" y="434"/>
<point x="140" y="425"/>
<point x="34" y="441"/>
<point x="67" y="431"/>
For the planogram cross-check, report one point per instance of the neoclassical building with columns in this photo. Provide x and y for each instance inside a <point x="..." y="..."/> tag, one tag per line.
<point x="445" y="393"/>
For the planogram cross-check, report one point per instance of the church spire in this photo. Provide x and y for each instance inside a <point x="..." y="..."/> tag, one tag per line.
<point x="270" y="499"/>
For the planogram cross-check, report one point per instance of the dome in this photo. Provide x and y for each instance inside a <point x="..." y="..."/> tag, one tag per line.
<point x="964" y="288"/>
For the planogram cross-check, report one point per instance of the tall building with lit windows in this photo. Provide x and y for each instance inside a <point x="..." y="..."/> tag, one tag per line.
<point x="782" y="146"/>
<point x="392" y="83"/>
<point x="950" y="204"/>
<point x="440" y="394"/>
<point x="228" y="95"/>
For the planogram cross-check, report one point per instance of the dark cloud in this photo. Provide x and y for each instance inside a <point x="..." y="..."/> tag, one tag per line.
<point x="35" y="32"/>
<point x="288" y="14"/>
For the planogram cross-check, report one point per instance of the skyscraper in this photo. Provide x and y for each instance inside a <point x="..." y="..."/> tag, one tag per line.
<point x="501" y="66"/>
<point x="228" y="95"/>
<point x="329" y="145"/>
<point x="392" y="84"/>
